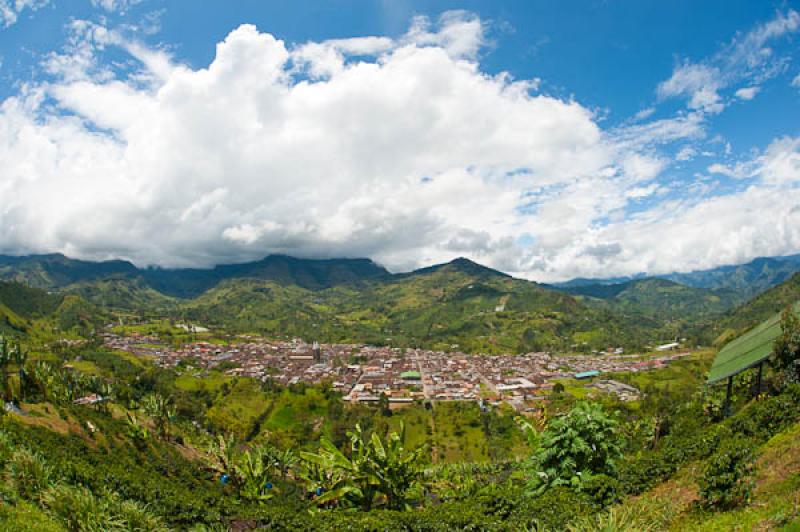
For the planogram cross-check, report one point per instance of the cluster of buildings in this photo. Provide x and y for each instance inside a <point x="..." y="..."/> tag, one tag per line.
<point x="367" y="373"/>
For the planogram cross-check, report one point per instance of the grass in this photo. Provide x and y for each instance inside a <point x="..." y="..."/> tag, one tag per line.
<point x="577" y="388"/>
<point x="26" y="516"/>
<point x="417" y="421"/>
<point x="459" y="435"/>
<point x="239" y="410"/>
<point x="213" y="382"/>
<point x="85" y="366"/>
<point x="686" y="372"/>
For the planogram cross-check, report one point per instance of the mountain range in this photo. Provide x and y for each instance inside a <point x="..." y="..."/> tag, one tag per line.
<point x="457" y="304"/>
<point x="747" y="279"/>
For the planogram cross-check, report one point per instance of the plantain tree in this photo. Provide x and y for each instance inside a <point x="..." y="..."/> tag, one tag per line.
<point x="20" y="358"/>
<point x="162" y="410"/>
<point x="6" y="358"/>
<point x="378" y="473"/>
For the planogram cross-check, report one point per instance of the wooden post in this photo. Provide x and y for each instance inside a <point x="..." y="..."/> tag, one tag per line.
<point x="727" y="408"/>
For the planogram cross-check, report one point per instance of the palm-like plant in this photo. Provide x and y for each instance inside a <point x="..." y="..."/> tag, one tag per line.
<point x="162" y="410"/>
<point x="136" y="430"/>
<point x="6" y="358"/>
<point x="280" y="460"/>
<point x="20" y="358"/>
<point x="223" y="454"/>
<point x="376" y="473"/>
<point x="106" y="391"/>
<point x="253" y="471"/>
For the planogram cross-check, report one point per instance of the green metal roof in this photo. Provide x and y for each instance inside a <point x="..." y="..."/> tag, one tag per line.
<point x="748" y="350"/>
<point x="411" y="375"/>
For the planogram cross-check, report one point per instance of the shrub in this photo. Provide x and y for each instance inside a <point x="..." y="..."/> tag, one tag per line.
<point x="6" y="448"/>
<point x="786" y="351"/>
<point x="81" y="511"/>
<point x="726" y="481"/>
<point x="29" y="474"/>
<point x="575" y="447"/>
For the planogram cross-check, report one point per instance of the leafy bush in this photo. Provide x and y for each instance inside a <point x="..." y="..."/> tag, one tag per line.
<point x="786" y="350"/>
<point x="29" y="474"/>
<point x="576" y="447"/>
<point x="80" y="510"/>
<point x="726" y="481"/>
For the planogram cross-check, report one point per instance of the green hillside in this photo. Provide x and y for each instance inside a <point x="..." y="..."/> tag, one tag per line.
<point x="458" y="304"/>
<point x="747" y="279"/>
<point x="659" y="299"/>
<point x="28" y="302"/>
<point x="756" y="310"/>
<point x="38" y="314"/>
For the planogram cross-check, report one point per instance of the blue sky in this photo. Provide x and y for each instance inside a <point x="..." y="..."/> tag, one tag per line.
<point x="547" y="139"/>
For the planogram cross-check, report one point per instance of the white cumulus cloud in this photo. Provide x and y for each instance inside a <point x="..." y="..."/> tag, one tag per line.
<point x="403" y="150"/>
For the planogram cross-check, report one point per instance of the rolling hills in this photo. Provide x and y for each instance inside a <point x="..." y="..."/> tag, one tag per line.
<point x="25" y="310"/>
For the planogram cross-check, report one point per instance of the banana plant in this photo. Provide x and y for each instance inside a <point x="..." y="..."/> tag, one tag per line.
<point x="135" y="429"/>
<point x="20" y="358"/>
<point x="162" y="410"/>
<point x="6" y="358"/>
<point x="223" y="455"/>
<point x="377" y="473"/>
<point x="253" y="471"/>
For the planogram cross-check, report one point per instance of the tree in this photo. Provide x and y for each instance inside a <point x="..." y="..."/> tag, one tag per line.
<point x="575" y="448"/>
<point x="786" y="350"/>
<point x="383" y="405"/>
